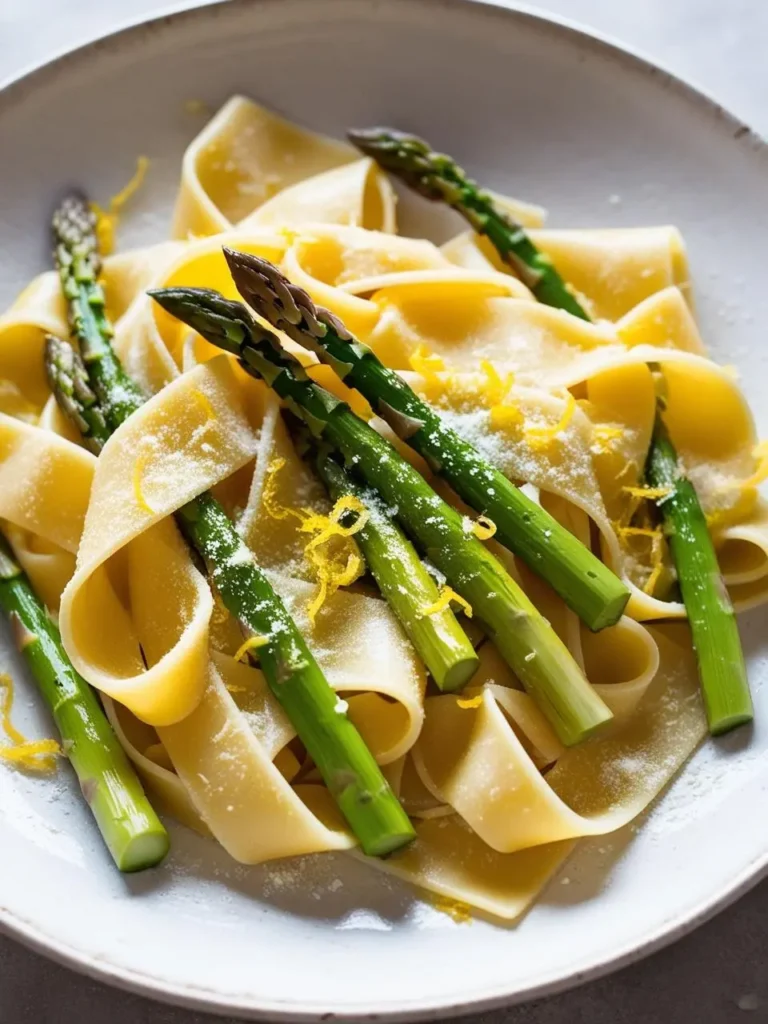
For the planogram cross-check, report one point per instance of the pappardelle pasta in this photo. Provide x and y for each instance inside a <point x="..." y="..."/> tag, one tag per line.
<point x="510" y="652"/>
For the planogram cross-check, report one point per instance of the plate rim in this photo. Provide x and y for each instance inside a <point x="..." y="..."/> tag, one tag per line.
<point x="187" y="995"/>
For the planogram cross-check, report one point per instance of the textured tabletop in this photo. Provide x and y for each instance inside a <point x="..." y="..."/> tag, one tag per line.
<point x="718" y="975"/>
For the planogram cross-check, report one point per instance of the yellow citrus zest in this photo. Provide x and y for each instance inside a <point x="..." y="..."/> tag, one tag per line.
<point x="253" y="643"/>
<point x="107" y="220"/>
<point x="760" y="475"/>
<point x="542" y="436"/>
<point x="332" y="569"/>
<point x="447" y="594"/>
<point x="604" y="436"/>
<point x="651" y="493"/>
<point x="34" y="755"/>
<point x="429" y="367"/>
<point x="138" y="472"/>
<point x="455" y="909"/>
<point x="483" y="528"/>
<point x="204" y="402"/>
<point x="505" y="416"/>
<point x="496" y="387"/>
<point x="470" y="702"/>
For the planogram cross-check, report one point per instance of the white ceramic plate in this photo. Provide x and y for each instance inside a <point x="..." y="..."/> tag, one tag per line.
<point x="534" y="108"/>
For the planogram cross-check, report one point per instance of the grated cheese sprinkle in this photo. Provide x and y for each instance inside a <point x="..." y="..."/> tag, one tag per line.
<point x="107" y="220"/>
<point x="447" y="594"/>
<point x="34" y="755"/>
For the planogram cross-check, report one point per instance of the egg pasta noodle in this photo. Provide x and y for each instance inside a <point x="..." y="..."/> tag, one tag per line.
<point x="559" y="404"/>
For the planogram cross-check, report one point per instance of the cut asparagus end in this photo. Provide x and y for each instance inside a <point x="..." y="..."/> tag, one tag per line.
<point x="608" y="611"/>
<point x="141" y="851"/>
<point x="457" y="676"/>
<point x="722" y="671"/>
<point x="131" y="830"/>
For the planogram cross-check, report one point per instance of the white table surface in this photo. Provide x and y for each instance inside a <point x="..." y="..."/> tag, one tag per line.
<point x="718" y="975"/>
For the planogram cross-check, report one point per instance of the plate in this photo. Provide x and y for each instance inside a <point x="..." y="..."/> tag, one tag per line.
<point x="532" y="107"/>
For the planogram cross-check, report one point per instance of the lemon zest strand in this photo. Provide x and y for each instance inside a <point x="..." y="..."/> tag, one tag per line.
<point x="496" y="387"/>
<point x="330" y="572"/>
<point x="542" y="436"/>
<point x="455" y="909"/>
<point x="484" y="528"/>
<point x="35" y="755"/>
<point x="204" y="402"/>
<point x="429" y="366"/>
<point x="447" y="594"/>
<point x="653" y="579"/>
<point x="253" y="643"/>
<point x="107" y="220"/>
<point x="506" y="416"/>
<point x="268" y="499"/>
<point x="650" y="493"/>
<point x="470" y="702"/>
<point x="760" y="475"/>
<point x="604" y="435"/>
<point x="638" y="531"/>
<point x="138" y="470"/>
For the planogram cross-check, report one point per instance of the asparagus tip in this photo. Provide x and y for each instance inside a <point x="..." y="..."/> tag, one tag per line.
<point x="285" y="305"/>
<point x="73" y="220"/>
<point x="406" y="156"/>
<point x="225" y="322"/>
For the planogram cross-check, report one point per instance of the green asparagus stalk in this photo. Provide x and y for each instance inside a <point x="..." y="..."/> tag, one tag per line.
<point x="524" y="638"/>
<point x="587" y="586"/>
<point x="722" y="671"/>
<point x="404" y="581"/>
<point x="321" y="722"/>
<point x="78" y="260"/>
<point x="132" y="831"/>
<point x="438" y="177"/>
<point x="68" y="380"/>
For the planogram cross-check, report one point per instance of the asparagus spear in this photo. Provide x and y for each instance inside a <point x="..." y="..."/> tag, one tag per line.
<point x="524" y="638"/>
<point x="404" y="582"/>
<point x="582" y="580"/>
<point x="68" y="380"/>
<point x="437" y="177"/>
<point x="132" y="831"/>
<point x="716" y="641"/>
<point x="331" y="739"/>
